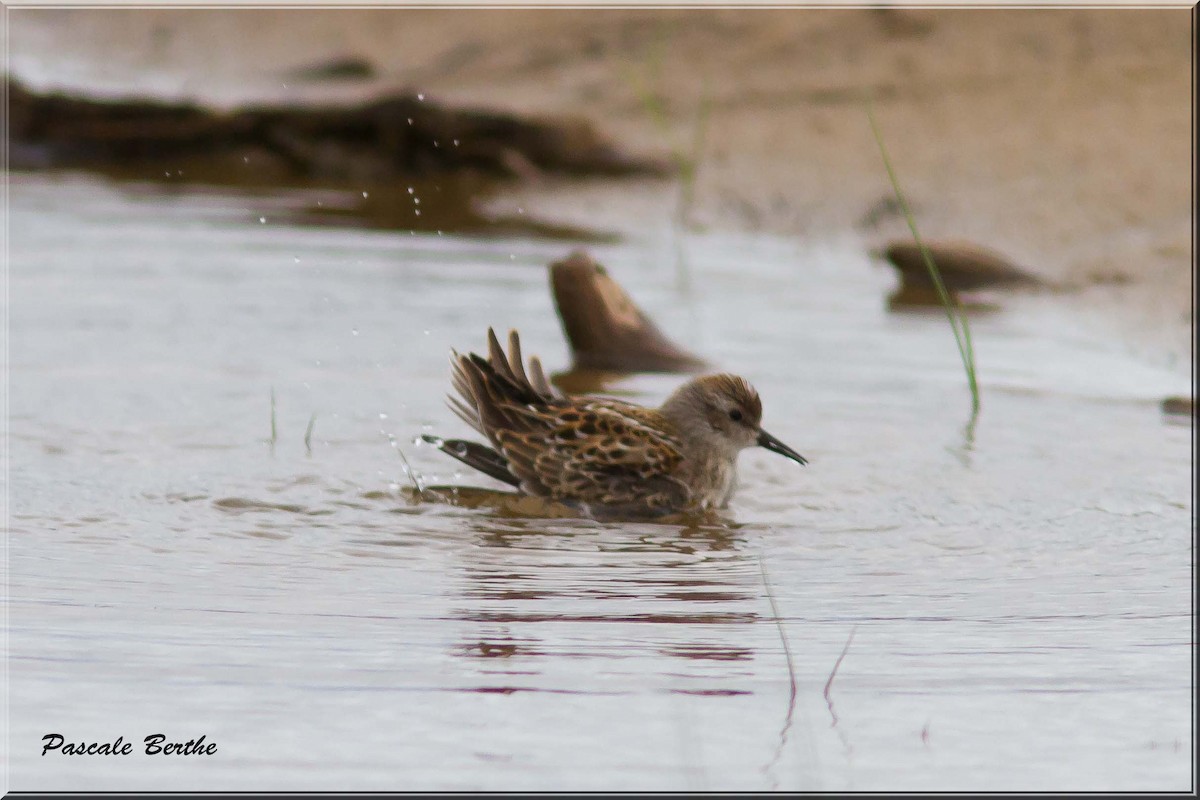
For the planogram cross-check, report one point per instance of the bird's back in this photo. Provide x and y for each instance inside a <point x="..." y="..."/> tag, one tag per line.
<point x="592" y="451"/>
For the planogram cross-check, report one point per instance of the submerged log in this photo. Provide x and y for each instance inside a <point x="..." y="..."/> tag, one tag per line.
<point x="606" y="330"/>
<point x="397" y="135"/>
<point x="962" y="265"/>
<point x="1179" y="406"/>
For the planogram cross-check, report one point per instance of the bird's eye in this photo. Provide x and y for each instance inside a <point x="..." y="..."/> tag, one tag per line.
<point x="736" y="415"/>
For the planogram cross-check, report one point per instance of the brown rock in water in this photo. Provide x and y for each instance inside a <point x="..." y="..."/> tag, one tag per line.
<point x="962" y="265"/>
<point x="1182" y="406"/>
<point x="395" y="136"/>
<point x="605" y="328"/>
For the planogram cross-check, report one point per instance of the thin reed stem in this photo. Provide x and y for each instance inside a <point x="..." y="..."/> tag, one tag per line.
<point x="953" y="308"/>
<point x="412" y="476"/>
<point x="274" y="434"/>
<point x="687" y="162"/>
<point x="833" y="674"/>
<point x="787" y="653"/>
<point x="308" y="433"/>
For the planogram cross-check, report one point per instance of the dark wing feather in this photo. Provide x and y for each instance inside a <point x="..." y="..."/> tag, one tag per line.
<point x="493" y="395"/>
<point x="478" y="456"/>
<point x="486" y="387"/>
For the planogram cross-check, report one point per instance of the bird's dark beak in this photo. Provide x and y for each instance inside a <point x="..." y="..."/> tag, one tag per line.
<point x="774" y="445"/>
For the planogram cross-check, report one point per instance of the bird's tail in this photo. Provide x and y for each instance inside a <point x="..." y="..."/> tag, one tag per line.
<point x="490" y="391"/>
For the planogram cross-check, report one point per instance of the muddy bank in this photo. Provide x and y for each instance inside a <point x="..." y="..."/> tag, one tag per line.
<point x="396" y="136"/>
<point x="425" y="162"/>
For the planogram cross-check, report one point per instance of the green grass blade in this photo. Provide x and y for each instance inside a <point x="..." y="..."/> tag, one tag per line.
<point x="953" y="309"/>
<point x="308" y="433"/>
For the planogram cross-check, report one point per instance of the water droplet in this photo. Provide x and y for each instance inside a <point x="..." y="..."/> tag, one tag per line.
<point x="354" y="331"/>
<point x="456" y="142"/>
<point x="382" y="415"/>
<point x="426" y="333"/>
<point x="418" y="212"/>
<point x="420" y="96"/>
<point x="296" y="260"/>
<point x="364" y="194"/>
<point x="416" y="201"/>
<point x="245" y="159"/>
<point x="512" y="256"/>
<point x="410" y="120"/>
<point x="262" y="220"/>
<point x="410" y="190"/>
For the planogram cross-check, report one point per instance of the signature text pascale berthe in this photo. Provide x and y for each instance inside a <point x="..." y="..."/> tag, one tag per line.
<point x="155" y="744"/>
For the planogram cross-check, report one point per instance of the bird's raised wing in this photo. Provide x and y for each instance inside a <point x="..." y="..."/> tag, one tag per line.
<point x="488" y="387"/>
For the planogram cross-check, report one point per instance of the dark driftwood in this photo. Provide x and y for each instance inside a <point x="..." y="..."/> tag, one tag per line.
<point x="605" y="328"/>
<point x="962" y="266"/>
<point x="1183" y="406"/>
<point x="394" y="136"/>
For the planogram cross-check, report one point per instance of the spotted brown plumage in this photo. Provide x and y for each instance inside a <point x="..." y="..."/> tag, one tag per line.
<point x="602" y="452"/>
<point x="593" y="453"/>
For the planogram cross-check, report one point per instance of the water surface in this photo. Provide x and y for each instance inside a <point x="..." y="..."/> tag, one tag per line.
<point x="1019" y="599"/>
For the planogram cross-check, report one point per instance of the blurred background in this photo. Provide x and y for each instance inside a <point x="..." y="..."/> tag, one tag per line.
<point x="1056" y="136"/>
<point x="242" y="243"/>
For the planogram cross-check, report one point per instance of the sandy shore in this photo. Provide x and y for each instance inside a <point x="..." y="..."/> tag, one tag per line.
<point x="1061" y="138"/>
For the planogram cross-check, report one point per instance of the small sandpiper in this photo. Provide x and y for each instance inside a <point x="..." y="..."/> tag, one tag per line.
<point x="599" y="453"/>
